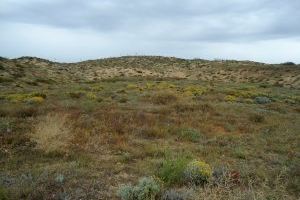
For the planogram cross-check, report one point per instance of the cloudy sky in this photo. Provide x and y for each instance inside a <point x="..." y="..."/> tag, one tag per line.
<point x="74" y="30"/>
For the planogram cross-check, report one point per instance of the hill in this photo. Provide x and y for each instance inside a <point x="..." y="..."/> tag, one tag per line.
<point x="30" y="70"/>
<point x="149" y="127"/>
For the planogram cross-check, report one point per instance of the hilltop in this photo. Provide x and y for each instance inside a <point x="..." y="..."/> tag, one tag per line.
<point x="31" y="70"/>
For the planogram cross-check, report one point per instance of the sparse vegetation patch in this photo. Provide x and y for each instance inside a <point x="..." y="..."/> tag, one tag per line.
<point x="148" y="128"/>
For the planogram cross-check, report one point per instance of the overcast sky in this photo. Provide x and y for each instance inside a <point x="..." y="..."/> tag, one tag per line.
<point x="74" y="30"/>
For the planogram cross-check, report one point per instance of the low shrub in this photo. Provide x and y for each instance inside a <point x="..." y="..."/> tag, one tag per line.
<point x="197" y="172"/>
<point x="257" y="118"/>
<point x="123" y="100"/>
<point x="248" y="101"/>
<point x="3" y="194"/>
<point x="240" y="153"/>
<point x="23" y="111"/>
<point x="245" y="92"/>
<point x="172" y="170"/>
<point x="35" y="97"/>
<point x="46" y="81"/>
<point x="4" y="112"/>
<point x="151" y="132"/>
<point x="17" y="97"/>
<point x="91" y="95"/>
<point x="147" y="188"/>
<point x="132" y="87"/>
<point x="165" y="85"/>
<point x="194" y="90"/>
<point x="5" y="125"/>
<point x="126" y="192"/>
<point x="97" y="88"/>
<point x="262" y="100"/>
<point x="99" y="99"/>
<point x="35" y="100"/>
<point x="19" y="111"/>
<point x="188" y="134"/>
<point x="149" y="86"/>
<point x="230" y="98"/>
<point x="172" y="194"/>
<point x="39" y="94"/>
<point x="219" y="175"/>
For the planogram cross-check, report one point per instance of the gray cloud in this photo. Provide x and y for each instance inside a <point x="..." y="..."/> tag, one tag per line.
<point x="155" y="23"/>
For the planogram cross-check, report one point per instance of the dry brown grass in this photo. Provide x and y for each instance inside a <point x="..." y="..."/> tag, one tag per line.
<point x="249" y="191"/>
<point x="52" y="132"/>
<point x="163" y="98"/>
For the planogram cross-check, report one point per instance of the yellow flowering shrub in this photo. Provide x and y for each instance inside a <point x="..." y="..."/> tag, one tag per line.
<point x="35" y="100"/>
<point x="17" y="98"/>
<point x="250" y="93"/>
<point x="91" y="96"/>
<point x="230" y="98"/>
<point x="197" y="172"/>
<point x="193" y="90"/>
<point x="150" y="86"/>
<point x="132" y="86"/>
<point x="164" y="85"/>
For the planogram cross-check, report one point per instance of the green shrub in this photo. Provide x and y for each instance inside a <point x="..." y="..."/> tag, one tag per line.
<point x="126" y="192"/>
<point x="262" y="100"/>
<point x="188" y="134"/>
<point x="197" y="172"/>
<point x="3" y="194"/>
<point x="240" y="153"/>
<point x="99" y="99"/>
<point x="91" y="96"/>
<point x="172" y="170"/>
<point x="4" y="125"/>
<point x="146" y="189"/>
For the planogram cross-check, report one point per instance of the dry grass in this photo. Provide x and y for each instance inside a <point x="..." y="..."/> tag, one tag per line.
<point x="249" y="192"/>
<point x="52" y="132"/>
<point x="163" y="98"/>
<point x="97" y="146"/>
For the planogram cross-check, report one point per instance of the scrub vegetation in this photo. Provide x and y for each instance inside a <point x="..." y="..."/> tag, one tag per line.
<point x="149" y="128"/>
